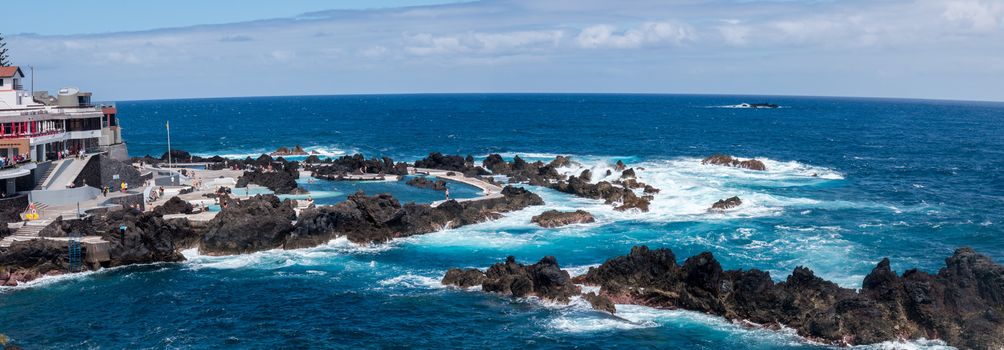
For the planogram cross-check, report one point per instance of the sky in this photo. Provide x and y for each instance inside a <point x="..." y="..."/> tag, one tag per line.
<point x="127" y="50"/>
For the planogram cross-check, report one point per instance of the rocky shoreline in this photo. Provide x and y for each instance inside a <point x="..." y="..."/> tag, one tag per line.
<point x="962" y="304"/>
<point x="258" y="223"/>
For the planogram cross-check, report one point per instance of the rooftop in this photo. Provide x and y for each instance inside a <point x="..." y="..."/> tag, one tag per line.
<point x="7" y="72"/>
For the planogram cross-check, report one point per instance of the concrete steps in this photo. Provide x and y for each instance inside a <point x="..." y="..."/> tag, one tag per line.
<point x="68" y="172"/>
<point x="27" y="232"/>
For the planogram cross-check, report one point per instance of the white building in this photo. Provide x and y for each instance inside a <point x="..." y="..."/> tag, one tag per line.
<point x="12" y="94"/>
<point x="36" y="128"/>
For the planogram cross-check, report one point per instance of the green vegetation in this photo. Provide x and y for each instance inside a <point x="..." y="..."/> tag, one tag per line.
<point x="4" y="58"/>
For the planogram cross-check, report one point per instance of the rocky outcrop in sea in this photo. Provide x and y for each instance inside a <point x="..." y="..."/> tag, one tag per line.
<point x="962" y="304"/>
<point x="554" y="218"/>
<point x="333" y="169"/>
<point x="727" y="160"/>
<point x="620" y="194"/>
<point x="246" y="226"/>
<point x="725" y="204"/>
<point x="377" y="219"/>
<point x="544" y="279"/>
<point x="463" y="165"/>
<point x="423" y="182"/>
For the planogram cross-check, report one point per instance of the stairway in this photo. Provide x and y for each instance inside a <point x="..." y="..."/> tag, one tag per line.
<point x="55" y="169"/>
<point x="48" y="172"/>
<point x="27" y="232"/>
<point x="67" y="172"/>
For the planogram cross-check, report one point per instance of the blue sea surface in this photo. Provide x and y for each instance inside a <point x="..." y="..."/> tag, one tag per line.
<point x="849" y="181"/>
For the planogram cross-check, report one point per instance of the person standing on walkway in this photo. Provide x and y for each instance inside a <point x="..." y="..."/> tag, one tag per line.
<point x="124" y="186"/>
<point x="104" y="190"/>
<point x="447" y="193"/>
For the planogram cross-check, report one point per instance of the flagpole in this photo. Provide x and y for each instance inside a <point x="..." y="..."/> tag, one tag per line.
<point x="168" y="143"/>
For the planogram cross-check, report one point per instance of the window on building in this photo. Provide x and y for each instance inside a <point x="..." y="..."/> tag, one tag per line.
<point x="1" y="81"/>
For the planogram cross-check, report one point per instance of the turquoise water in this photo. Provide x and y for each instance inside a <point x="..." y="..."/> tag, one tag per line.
<point x="329" y="192"/>
<point x="326" y="192"/>
<point x="849" y="181"/>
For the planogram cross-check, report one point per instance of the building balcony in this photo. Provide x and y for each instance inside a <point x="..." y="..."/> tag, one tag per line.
<point x="30" y="135"/>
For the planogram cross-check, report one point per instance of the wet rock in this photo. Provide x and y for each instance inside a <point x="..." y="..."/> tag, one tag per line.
<point x="247" y="226"/>
<point x="554" y="218"/>
<point x="628" y="174"/>
<point x="356" y="164"/>
<point x="961" y="305"/>
<point x="455" y="163"/>
<point x="620" y="194"/>
<point x="464" y="278"/>
<point x="424" y="182"/>
<point x="148" y="238"/>
<point x="725" y="204"/>
<point x="606" y="191"/>
<point x="561" y="161"/>
<point x="620" y="165"/>
<point x="543" y="279"/>
<point x="284" y="151"/>
<point x="280" y="182"/>
<point x="727" y="160"/>
<point x="600" y="302"/>
<point x="377" y="219"/>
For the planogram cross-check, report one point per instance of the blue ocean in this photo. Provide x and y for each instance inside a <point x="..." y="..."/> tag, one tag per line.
<point x="849" y="181"/>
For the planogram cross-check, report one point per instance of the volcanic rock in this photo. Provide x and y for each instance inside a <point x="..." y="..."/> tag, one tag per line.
<point x="554" y="218"/>
<point x="377" y="219"/>
<point x="174" y="205"/>
<point x="727" y="203"/>
<point x="727" y="160"/>
<point x="247" y="226"/>
<point x="543" y="279"/>
<point x="963" y="304"/>
<point x="600" y="302"/>
<point x="280" y="182"/>
<point x="464" y="278"/>
<point x="424" y="182"/>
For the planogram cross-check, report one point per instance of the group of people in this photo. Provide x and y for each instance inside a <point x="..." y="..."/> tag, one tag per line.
<point x="13" y="160"/>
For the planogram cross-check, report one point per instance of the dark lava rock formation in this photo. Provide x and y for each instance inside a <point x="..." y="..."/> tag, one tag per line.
<point x="464" y="165"/>
<point x="247" y="226"/>
<point x="148" y="238"/>
<point x="963" y="304"/>
<point x="727" y="203"/>
<point x="544" y="279"/>
<point x="727" y="160"/>
<point x="423" y="182"/>
<point x="377" y="219"/>
<point x="280" y="182"/>
<point x="621" y="193"/>
<point x="174" y="205"/>
<point x="333" y="169"/>
<point x="554" y="218"/>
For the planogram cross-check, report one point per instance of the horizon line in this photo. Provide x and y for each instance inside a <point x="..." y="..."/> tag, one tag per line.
<point x="884" y="98"/>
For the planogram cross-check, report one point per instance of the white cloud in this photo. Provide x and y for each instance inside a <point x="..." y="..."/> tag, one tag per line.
<point x="482" y="43"/>
<point x="980" y="16"/>
<point x="551" y="45"/>
<point x="650" y="33"/>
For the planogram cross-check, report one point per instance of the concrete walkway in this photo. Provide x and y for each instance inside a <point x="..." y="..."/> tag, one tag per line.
<point x="488" y="189"/>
